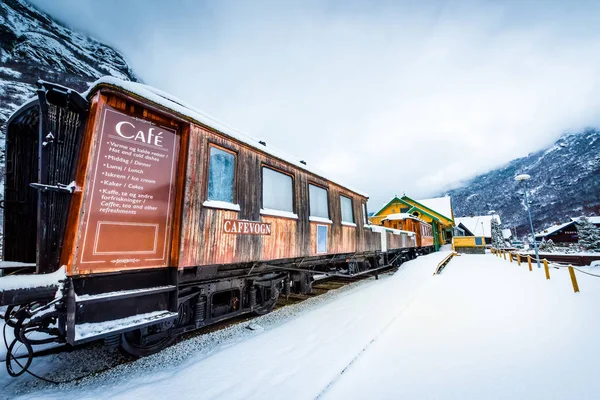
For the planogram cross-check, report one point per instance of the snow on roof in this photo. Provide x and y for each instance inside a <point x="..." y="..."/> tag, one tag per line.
<point x="180" y="107"/>
<point x="441" y="205"/>
<point x="480" y="225"/>
<point x="506" y="233"/>
<point x="594" y="219"/>
<point x="552" y="229"/>
<point x="401" y="216"/>
<point x="380" y="228"/>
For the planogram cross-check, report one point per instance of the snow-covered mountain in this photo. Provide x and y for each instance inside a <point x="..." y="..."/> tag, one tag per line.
<point x="33" y="46"/>
<point x="565" y="182"/>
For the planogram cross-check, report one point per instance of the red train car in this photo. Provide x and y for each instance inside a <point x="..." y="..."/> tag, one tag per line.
<point x="164" y="220"/>
<point x="408" y="222"/>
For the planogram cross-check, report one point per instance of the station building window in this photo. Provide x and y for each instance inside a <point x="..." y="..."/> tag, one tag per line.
<point x="278" y="191"/>
<point x="347" y="214"/>
<point x="221" y="175"/>
<point x="319" y="203"/>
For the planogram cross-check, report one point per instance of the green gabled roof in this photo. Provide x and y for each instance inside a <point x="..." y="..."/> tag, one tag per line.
<point x="395" y="199"/>
<point x="414" y="208"/>
<point x="422" y="207"/>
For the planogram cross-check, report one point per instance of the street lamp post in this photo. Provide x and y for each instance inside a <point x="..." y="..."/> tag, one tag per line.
<point x="524" y="178"/>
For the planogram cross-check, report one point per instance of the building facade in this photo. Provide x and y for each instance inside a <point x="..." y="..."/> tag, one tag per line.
<point x="437" y="212"/>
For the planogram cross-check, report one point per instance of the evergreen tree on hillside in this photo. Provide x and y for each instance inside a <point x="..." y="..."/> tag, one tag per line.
<point x="589" y="235"/>
<point x="497" y="236"/>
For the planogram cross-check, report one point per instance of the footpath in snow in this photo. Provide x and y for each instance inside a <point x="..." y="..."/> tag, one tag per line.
<point x="483" y="329"/>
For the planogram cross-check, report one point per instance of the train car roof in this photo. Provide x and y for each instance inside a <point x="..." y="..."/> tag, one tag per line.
<point x="180" y="107"/>
<point x="401" y="216"/>
<point x="380" y="228"/>
<point x="28" y="104"/>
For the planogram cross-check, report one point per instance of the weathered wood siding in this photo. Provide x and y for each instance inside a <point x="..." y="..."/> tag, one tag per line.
<point x="203" y="241"/>
<point x="75" y="225"/>
<point x="198" y="236"/>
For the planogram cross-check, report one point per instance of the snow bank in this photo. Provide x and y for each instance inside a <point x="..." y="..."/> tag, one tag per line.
<point x="486" y="329"/>
<point x="294" y="360"/>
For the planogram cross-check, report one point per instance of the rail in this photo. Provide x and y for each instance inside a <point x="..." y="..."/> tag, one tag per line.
<point x="440" y="267"/>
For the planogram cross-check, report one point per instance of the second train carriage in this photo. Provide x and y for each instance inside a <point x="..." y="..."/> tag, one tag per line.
<point x="165" y="220"/>
<point x="409" y="222"/>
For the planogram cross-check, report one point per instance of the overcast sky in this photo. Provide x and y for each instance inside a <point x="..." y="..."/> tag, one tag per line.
<point x="389" y="97"/>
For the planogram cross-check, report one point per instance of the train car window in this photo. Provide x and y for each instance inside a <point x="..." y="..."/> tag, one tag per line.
<point x="365" y="215"/>
<point x="347" y="214"/>
<point x="319" y="204"/>
<point x="322" y="238"/>
<point x="221" y="175"/>
<point x="278" y="192"/>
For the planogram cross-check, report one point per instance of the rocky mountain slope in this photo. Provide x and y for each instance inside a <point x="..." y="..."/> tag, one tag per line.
<point x="33" y="46"/>
<point x="565" y="182"/>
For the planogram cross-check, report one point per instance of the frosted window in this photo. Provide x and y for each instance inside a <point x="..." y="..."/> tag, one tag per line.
<point x="221" y="172"/>
<point x="365" y="215"/>
<point x="322" y="238"/>
<point x="278" y="193"/>
<point x="319" y="206"/>
<point x="347" y="215"/>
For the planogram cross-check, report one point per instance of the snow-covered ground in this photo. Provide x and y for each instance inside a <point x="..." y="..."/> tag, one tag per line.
<point x="485" y="328"/>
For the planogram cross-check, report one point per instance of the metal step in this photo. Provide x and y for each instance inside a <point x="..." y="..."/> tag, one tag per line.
<point x="110" y="296"/>
<point x="92" y="331"/>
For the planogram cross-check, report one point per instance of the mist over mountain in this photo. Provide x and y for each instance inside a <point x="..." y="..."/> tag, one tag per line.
<point x="565" y="182"/>
<point x="33" y="46"/>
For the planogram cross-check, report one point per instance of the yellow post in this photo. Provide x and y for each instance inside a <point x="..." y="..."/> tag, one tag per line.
<point x="510" y="257"/>
<point x="504" y="254"/>
<point x="518" y="259"/>
<point x="573" y="279"/>
<point x="529" y="262"/>
<point x="546" y="269"/>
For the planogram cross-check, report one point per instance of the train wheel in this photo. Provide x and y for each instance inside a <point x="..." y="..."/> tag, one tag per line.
<point x="269" y="304"/>
<point x="143" y="342"/>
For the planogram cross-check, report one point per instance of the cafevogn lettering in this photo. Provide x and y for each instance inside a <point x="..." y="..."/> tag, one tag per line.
<point x="246" y="227"/>
<point x="131" y="193"/>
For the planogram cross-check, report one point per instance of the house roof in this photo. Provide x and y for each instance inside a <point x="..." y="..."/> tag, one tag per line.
<point x="462" y="226"/>
<point x="553" y="229"/>
<point x="426" y="209"/>
<point x="594" y="219"/>
<point x="386" y="205"/>
<point x="506" y="233"/>
<point x="441" y="205"/>
<point x="183" y="109"/>
<point x="480" y="225"/>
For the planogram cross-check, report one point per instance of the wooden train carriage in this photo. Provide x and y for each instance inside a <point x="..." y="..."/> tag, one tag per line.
<point x="159" y="212"/>
<point x="407" y="222"/>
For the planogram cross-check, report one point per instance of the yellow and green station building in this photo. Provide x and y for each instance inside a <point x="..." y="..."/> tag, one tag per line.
<point x="429" y="210"/>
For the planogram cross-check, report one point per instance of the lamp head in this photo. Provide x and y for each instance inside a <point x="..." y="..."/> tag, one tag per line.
<point x="522" y="177"/>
